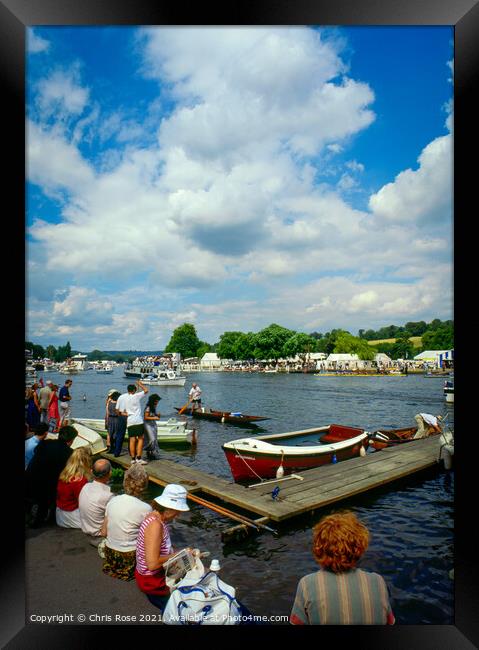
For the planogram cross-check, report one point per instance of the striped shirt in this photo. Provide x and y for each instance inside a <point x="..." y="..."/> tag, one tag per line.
<point x="165" y="548"/>
<point x="353" y="597"/>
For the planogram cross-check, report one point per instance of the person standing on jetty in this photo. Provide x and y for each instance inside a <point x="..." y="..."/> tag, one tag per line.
<point x="195" y="397"/>
<point x="44" y="399"/>
<point x="64" y="399"/>
<point x="339" y="593"/>
<point x="111" y="420"/>
<point x="151" y="417"/>
<point x="129" y="404"/>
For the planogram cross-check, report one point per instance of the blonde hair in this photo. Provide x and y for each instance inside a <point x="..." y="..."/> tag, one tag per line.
<point x="78" y="465"/>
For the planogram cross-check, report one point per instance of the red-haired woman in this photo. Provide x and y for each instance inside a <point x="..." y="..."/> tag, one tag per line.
<point x="339" y="593"/>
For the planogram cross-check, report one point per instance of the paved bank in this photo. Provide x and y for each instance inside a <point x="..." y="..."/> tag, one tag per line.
<point x="64" y="577"/>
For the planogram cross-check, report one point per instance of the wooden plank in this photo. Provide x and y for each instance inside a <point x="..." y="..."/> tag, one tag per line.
<point x="339" y="494"/>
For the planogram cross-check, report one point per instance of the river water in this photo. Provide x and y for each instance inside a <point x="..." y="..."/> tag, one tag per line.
<point x="411" y="522"/>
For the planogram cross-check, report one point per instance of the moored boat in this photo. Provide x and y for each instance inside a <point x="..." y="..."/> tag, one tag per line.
<point x="382" y="438"/>
<point x="87" y="437"/>
<point x="164" y="378"/>
<point x="240" y="419"/>
<point x="262" y="456"/>
<point x="104" y="370"/>
<point x="169" y="431"/>
<point x="449" y="391"/>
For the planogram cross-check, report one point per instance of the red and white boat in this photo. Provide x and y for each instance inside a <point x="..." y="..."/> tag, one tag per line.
<point x="262" y="456"/>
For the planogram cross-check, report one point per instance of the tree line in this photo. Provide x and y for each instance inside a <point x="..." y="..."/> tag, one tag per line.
<point x="275" y="341"/>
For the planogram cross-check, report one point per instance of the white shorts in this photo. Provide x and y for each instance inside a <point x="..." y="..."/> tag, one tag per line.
<point x="65" y="410"/>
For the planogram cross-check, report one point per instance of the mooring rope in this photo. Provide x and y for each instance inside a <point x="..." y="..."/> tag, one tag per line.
<point x="248" y="466"/>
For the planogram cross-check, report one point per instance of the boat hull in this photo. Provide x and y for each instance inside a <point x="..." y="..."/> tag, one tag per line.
<point x="168" y="431"/>
<point x="391" y="437"/>
<point x="224" y="416"/>
<point x="254" y="458"/>
<point x="87" y="437"/>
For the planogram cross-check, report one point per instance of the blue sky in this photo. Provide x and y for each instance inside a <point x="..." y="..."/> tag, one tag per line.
<point x="235" y="177"/>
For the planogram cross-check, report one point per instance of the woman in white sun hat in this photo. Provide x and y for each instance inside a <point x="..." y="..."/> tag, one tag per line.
<point x="154" y="547"/>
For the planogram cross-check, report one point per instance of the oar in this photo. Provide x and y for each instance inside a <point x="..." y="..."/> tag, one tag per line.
<point x="183" y="408"/>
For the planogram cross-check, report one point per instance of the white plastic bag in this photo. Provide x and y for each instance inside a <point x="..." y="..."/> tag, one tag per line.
<point x="204" y="601"/>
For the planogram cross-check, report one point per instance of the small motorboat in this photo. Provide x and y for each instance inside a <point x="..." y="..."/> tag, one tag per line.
<point x="87" y="437"/>
<point x="164" y="378"/>
<point x="170" y="431"/>
<point x="262" y="456"/>
<point x="240" y="419"/>
<point x="104" y="370"/>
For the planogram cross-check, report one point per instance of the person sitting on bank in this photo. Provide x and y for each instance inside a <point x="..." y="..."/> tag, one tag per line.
<point x="339" y="593"/>
<point x="123" y="517"/>
<point x="76" y="474"/>
<point x="151" y="417"/>
<point x="129" y="404"/>
<point x="93" y="500"/>
<point x="154" y="547"/>
<point x="41" y="475"/>
<point x="427" y="425"/>
<point x="40" y="433"/>
<point x="195" y="397"/>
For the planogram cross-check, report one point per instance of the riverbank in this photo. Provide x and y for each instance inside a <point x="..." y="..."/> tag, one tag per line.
<point x="64" y="578"/>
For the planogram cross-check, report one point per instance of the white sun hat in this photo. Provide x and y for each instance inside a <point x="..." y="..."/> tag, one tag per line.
<point x="173" y="497"/>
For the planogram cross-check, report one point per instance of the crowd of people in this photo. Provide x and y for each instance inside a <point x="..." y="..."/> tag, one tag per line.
<point x="48" y="404"/>
<point x="71" y="489"/>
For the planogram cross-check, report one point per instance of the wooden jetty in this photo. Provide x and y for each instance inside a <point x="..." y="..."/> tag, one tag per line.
<point x="314" y="489"/>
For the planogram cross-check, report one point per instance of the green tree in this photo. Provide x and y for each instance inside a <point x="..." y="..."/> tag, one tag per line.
<point x="38" y="351"/>
<point x="185" y="341"/>
<point x="97" y="355"/>
<point x="402" y="348"/>
<point x="269" y="342"/>
<point x="51" y="352"/>
<point x="203" y="348"/>
<point x="328" y="342"/>
<point x="299" y="343"/>
<point x="227" y="346"/>
<point x="64" y="352"/>
<point x="346" y="343"/>
<point x="440" y="338"/>
<point x="244" y="346"/>
<point x="415" y="328"/>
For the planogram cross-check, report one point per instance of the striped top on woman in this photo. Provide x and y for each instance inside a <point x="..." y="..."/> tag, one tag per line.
<point x="165" y="548"/>
<point x="352" y="597"/>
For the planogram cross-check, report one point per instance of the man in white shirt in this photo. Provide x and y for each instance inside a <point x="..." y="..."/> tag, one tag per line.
<point x="93" y="500"/>
<point x="427" y="425"/>
<point x="129" y="404"/>
<point x="195" y="397"/>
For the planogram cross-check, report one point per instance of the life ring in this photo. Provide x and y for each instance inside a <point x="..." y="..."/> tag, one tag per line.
<point x="170" y="374"/>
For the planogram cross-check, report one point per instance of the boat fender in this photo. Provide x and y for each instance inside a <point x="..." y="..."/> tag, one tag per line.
<point x="223" y="419"/>
<point x="446" y="454"/>
<point x="334" y="459"/>
<point x="280" y="470"/>
<point x="362" y="451"/>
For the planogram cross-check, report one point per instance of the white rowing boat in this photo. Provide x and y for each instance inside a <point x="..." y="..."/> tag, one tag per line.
<point x="169" y="431"/>
<point x="87" y="437"/>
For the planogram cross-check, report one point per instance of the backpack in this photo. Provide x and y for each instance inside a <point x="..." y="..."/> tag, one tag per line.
<point x="210" y="601"/>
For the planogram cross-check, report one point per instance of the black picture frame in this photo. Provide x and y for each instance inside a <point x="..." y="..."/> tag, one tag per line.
<point x="15" y="16"/>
